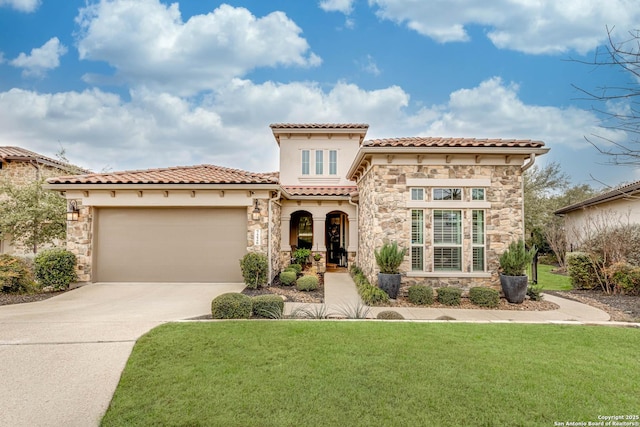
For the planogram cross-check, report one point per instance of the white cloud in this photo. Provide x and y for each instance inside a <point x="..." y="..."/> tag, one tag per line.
<point x="343" y="6"/>
<point x="148" y="43"/>
<point x="370" y="66"/>
<point x="21" y="5"/>
<point x="530" y="26"/>
<point x="41" y="59"/>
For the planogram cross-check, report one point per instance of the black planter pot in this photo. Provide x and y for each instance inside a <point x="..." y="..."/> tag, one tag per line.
<point x="390" y="283"/>
<point x="514" y="288"/>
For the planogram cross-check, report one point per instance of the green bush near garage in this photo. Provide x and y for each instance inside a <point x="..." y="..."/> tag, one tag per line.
<point x="55" y="268"/>
<point x="231" y="306"/>
<point x="268" y="306"/>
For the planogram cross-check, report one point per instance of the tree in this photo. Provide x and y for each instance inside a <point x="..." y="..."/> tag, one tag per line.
<point x="540" y="183"/>
<point x="625" y="115"/>
<point x="32" y="215"/>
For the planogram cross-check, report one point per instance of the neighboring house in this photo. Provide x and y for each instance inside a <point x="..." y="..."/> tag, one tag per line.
<point x="456" y="203"/>
<point x="616" y="207"/>
<point x="19" y="166"/>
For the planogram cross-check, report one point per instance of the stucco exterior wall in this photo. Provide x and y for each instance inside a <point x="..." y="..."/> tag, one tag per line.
<point x="385" y="215"/>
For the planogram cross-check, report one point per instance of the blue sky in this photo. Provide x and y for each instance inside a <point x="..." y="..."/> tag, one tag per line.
<point x="134" y="84"/>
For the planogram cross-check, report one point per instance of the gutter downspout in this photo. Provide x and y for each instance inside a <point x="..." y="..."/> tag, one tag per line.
<point x="269" y="243"/>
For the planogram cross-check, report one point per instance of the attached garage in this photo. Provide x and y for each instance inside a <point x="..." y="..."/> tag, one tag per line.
<point x="169" y="244"/>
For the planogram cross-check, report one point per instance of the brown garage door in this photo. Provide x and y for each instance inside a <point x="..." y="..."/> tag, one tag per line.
<point x="170" y="244"/>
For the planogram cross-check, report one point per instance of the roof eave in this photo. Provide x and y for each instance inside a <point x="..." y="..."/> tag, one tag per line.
<point x="158" y="186"/>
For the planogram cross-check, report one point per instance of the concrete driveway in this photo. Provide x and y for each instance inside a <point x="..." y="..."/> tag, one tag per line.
<point x="61" y="359"/>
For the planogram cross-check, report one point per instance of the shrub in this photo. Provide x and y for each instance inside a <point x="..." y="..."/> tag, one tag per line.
<point x="389" y="258"/>
<point x="535" y="292"/>
<point x="288" y="277"/>
<point x="581" y="271"/>
<point x="421" y="295"/>
<point x="390" y="315"/>
<point x="484" y="297"/>
<point x="268" y="306"/>
<point x="449" y="296"/>
<point x="625" y="278"/>
<point x="372" y="295"/>
<point x="296" y="267"/>
<point x="255" y="269"/>
<point x="55" y="268"/>
<point x="15" y="275"/>
<point x="301" y="256"/>
<point x="231" y="306"/>
<point x="307" y="283"/>
<point x="516" y="258"/>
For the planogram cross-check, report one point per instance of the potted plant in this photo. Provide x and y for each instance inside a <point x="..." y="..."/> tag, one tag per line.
<point x="389" y="258"/>
<point x="513" y="264"/>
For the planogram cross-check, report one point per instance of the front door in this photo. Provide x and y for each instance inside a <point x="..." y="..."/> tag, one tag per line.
<point x="336" y="238"/>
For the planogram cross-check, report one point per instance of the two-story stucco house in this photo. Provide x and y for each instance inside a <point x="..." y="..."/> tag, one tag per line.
<point x="455" y="203"/>
<point x="19" y="166"/>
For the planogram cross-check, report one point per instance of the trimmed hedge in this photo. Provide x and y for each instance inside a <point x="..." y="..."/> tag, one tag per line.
<point x="296" y="267"/>
<point x="421" y="295"/>
<point x="371" y="295"/>
<point x="268" y="306"/>
<point x="449" y="296"/>
<point x="288" y="277"/>
<point x="15" y="274"/>
<point x="55" y="268"/>
<point x="307" y="283"/>
<point x="231" y="306"/>
<point x="255" y="268"/>
<point x="484" y="297"/>
<point x="390" y="315"/>
<point x="581" y="271"/>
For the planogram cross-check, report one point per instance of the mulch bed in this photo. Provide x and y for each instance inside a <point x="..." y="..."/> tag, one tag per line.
<point x="290" y="293"/>
<point x="621" y="308"/>
<point x="8" y="299"/>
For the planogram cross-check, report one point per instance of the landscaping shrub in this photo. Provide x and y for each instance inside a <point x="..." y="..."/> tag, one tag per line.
<point x="421" y="295"/>
<point x="581" y="271"/>
<point x="255" y="269"/>
<point x="449" y="296"/>
<point x="268" y="306"/>
<point x="535" y="292"/>
<point x="301" y="256"/>
<point x="15" y="275"/>
<point x="371" y="295"/>
<point x="288" y="277"/>
<point x="295" y="267"/>
<point x="390" y="315"/>
<point x="231" y="306"/>
<point x="625" y="278"/>
<point x="307" y="283"/>
<point x="55" y="268"/>
<point x="484" y="297"/>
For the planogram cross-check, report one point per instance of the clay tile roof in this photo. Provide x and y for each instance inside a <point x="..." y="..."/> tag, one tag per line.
<point x="452" y="142"/>
<point x="319" y="126"/>
<point x="320" y="191"/>
<point x="8" y="153"/>
<point x="201" y="174"/>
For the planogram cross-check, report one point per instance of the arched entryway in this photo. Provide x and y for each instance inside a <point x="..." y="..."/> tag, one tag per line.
<point x="301" y="230"/>
<point x="336" y="238"/>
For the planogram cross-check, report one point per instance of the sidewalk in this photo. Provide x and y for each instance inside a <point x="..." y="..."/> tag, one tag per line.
<point x="340" y="293"/>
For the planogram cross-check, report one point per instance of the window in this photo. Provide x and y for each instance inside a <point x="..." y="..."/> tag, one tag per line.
<point x="477" y="225"/>
<point x="447" y="240"/>
<point x="417" y="239"/>
<point x="417" y="194"/>
<point x="447" y="194"/>
<point x="319" y="162"/>
<point x="305" y="162"/>
<point x="477" y="194"/>
<point x="333" y="162"/>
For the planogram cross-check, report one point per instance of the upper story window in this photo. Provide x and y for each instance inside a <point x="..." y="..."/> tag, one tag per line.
<point x="447" y="194"/>
<point x="319" y="162"/>
<point x="417" y="194"/>
<point x="333" y="162"/>
<point x="305" y="162"/>
<point x="477" y="194"/>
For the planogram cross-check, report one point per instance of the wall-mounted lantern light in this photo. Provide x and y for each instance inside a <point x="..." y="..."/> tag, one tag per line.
<point x="73" y="212"/>
<point x="256" y="211"/>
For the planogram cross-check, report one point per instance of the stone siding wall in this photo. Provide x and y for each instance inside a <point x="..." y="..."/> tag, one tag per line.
<point x="80" y="241"/>
<point x="384" y="216"/>
<point x="268" y="231"/>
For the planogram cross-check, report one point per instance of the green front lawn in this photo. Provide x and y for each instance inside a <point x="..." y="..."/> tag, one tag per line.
<point x="330" y="373"/>
<point x="552" y="281"/>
